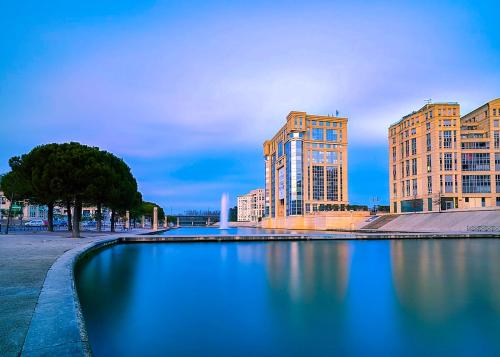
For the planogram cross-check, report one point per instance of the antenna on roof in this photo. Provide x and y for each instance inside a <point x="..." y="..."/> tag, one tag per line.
<point x="428" y="101"/>
<point x="336" y="113"/>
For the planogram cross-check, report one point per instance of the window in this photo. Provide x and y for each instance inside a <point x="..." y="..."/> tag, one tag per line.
<point x="447" y="139"/>
<point x="429" y="184"/>
<point x="497" y="180"/>
<point x="446" y="122"/>
<point x="331" y="157"/>
<point x="483" y="145"/>
<point x="407" y="167"/>
<point x="476" y="184"/>
<point x="407" y="187"/>
<point x="318" y="182"/>
<point x="428" y="125"/>
<point x="413" y="131"/>
<point x="429" y="163"/>
<point x="318" y="156"/>
<point x="317" y="134"/>
<point x="331" y="135"/>
<point x="476" y="162"/>
<point x="402" y="188"/>
<point x="494" y="112"/>
<point x="448" y="183"/>
<point x="497" y="161"/>
<point x="495" y="123"/>
<point x="280" y="149"/>
<point x="414" y="187"/>
<point x="448" y="161"/>
<point x="414" y="146"/>
<point x="332" y="183"/>
<point x="496" y="139"/>
<point x="393" y="153"/>
<point x="428" y="139"/>
<point x="414" y="166"/>
<point x="407" y="148"/>
<point x="393" y="172"/>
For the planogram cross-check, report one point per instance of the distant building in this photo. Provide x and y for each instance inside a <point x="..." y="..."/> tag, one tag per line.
<point x="251" y="206"/>
<point x="440" y="161"/>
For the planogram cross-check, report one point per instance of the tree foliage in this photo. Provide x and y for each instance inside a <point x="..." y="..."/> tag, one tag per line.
<point x="72" y="174"/>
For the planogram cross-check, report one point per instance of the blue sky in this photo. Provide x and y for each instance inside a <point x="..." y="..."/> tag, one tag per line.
<point x="187" y="91"/>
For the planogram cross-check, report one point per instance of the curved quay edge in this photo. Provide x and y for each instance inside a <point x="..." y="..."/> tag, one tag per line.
<point x="58" y="327"/>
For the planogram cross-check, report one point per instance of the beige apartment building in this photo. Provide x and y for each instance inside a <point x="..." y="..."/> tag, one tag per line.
<point x="439" y="161"/>
<point x="306" y="173"/>
<point x="251" y="206"/>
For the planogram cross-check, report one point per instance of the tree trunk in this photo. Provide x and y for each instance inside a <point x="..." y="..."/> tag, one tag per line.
<point x="75" y="233"/>
<point x="99" y="217"/>
<point x="9" y="213"/>
<point x="70" y="222"/>
<point x="50" y="216"/>
<point x="112" y="220"/>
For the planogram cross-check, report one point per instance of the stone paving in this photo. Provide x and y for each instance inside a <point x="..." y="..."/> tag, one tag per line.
<point x="24" y="262"/>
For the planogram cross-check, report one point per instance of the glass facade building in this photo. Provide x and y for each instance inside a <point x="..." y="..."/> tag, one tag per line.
<point x="305" y="165"/>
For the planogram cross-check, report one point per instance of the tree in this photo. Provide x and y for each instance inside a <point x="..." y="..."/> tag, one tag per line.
<point x="72" y="174"/>
<point x="233" y="214"/>
<point x="122" y="191"/>
<point x="14" y="187"/>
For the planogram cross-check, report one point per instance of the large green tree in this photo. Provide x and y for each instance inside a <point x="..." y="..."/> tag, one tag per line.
<point x="72" y="174"/>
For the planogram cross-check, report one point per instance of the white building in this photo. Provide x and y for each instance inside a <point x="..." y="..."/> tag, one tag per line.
<point x="251" y="206"/>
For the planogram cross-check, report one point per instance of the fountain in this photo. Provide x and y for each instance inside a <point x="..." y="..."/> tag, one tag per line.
<point x="224" y="201"/>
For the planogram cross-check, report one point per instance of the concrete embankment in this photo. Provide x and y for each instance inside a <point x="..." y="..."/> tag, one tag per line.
<point x="446" y="221"/>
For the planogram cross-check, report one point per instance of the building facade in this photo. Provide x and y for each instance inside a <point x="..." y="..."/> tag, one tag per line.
<point x="439" y="161"/>
<point x="251" y="206"/>
<point x="306" y="167"/>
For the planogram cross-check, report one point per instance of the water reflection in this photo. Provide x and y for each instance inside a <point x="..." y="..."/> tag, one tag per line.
<point x="294" y="298"/>
<point x="449" y="290"/>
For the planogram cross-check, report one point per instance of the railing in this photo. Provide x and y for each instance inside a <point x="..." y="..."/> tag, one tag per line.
<point x="483" y="228"/>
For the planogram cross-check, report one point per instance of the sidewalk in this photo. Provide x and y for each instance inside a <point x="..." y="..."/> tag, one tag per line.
<point x="24" y="262"/>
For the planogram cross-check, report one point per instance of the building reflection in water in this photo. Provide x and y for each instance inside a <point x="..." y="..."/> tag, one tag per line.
<point x="308" y="277"/>
<point x="439" y="280"/>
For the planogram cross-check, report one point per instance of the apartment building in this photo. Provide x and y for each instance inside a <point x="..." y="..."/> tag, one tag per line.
<point x="306" y="171"/>
<point x="439" y="161"/>
<point x="251" y="206"/>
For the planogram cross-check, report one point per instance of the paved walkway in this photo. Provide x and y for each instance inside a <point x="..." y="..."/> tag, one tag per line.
<point x="24" y="262"/>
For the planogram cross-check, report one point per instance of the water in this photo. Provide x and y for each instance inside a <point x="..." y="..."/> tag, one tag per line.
<point x="235" y="230"/>
<point x="426" y="297"/>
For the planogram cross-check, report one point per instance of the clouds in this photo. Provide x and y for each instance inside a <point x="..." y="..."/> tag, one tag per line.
<point x="191" y="80"/>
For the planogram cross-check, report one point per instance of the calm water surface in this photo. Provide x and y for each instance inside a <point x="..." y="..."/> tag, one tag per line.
<point x="235" y="230"/>
<point x="427" y="297"/>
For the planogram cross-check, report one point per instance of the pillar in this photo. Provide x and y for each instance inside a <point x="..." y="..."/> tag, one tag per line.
<point x="177" y="221"/>
<point x="127" y="220"/>
<point x="165" y="222"/>
<point x="143" y="223"/>
<point x="155" y="218"/>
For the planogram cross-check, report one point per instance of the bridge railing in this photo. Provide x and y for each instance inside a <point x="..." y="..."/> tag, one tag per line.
<point x="483" y="228"/>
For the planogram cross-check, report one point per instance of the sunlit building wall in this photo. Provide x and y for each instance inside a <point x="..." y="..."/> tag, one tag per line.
<point x="439" y="161"/>
<point x="251" y="206"/>
<point x="306" y="166"/>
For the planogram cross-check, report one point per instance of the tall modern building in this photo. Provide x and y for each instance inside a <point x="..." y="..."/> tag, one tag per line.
<point x="440" y="161"/>
<point x="306" y="167"/>
<point x="251" y="206"/>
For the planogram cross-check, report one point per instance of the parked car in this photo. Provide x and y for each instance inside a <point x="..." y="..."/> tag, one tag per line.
<point x="35" y="223"/>
<point x="60" y="223"/>
<point x="89" y="224"/>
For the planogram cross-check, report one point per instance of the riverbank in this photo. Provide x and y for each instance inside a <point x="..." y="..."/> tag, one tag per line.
<point x="24" y="262"/>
